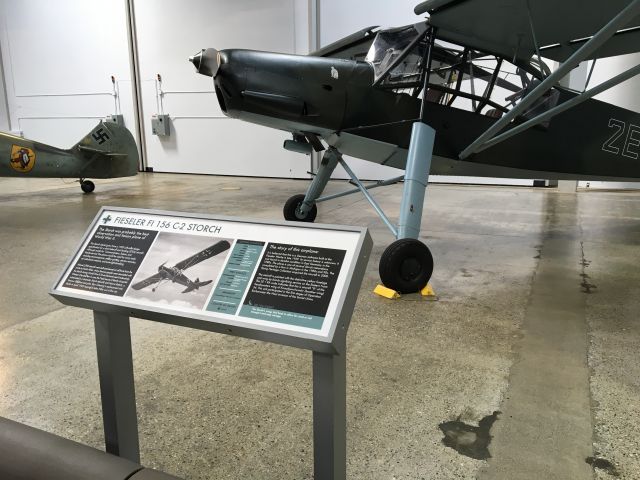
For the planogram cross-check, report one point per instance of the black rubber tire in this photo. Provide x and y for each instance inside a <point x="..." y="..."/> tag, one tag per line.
<point x="406" y="266"/>
<point x="87" y="186"/>
<point x="290" y="210"/>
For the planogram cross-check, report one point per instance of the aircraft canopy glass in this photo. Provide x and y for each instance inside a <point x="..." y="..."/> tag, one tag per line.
<point x="391" y="44"/>
<point x="458" y="76"/>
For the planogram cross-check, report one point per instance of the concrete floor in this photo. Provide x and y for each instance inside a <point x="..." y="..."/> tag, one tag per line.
<point x="537" y="318"/>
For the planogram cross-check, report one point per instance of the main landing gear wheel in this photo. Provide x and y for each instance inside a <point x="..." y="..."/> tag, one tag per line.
<point x="87" y="186"/>
<point x="292" y="213"/>
<point x="406" y="265"/>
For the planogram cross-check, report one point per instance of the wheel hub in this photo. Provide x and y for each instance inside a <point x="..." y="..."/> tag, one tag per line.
<point x="410" y="268"/>
<point x="299" y="213"/>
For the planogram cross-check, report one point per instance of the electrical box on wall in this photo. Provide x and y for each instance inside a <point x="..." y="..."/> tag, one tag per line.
<point x="117" y="119"/>
<point x="160" y="125"/>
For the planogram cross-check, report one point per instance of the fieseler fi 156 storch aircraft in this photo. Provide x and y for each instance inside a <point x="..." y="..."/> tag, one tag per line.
<point x="108" y="151"/>
<point x="463" y="93"/>
<point x="176" y="274"/>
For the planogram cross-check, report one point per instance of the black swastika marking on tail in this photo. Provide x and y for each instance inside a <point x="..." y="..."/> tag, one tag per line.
<point x="100" y="136"/>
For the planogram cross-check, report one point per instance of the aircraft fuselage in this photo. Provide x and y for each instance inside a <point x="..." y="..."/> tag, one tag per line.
<point x="335" y="99"/>
<point x="175" y="275"/>
<point x="20" y="157"/>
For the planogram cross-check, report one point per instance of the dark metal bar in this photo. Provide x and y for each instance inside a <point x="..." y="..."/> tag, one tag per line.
<point x="369" y="198"/>
<point x="474" y="104"/>
<point x="432" y="39"/>
<point x="329" y="416"/>
<point x="115" y="369"/>
<point x="377" y="125"/>
<point x="380" y="183"/>
<point x="459" y="80"/>
<point x="492" y="83"/>
<point x="593" y="66"/>
<point x="533" y="35"/>
<point x="424" y="67"/>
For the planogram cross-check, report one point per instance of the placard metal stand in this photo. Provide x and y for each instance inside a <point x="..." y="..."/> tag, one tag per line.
<point x="113" y="342"/>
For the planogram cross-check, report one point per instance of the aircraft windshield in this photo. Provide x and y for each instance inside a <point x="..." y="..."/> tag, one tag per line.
<point x="388" y="46"/>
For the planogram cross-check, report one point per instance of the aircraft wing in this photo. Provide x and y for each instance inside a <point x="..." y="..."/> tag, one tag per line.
<point x="147" y="281"/>
<point x="503" y="27"/>
<point x="208" y="252"/>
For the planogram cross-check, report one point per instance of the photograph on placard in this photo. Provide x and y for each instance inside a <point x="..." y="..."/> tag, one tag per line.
<point x="180" y="270"/>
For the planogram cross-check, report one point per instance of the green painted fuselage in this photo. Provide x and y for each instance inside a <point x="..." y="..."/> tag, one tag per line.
<point x="108" y="151"/>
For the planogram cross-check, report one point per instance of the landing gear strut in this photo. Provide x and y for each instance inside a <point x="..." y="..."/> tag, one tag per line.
<point x="407" y="264"/>
<point x="87" y="186"/>
<point x="302" y="208"/>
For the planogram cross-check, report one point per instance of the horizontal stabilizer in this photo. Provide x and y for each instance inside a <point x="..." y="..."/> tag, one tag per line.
<point x="196" y="285"/>
<point x="95" y="150"/>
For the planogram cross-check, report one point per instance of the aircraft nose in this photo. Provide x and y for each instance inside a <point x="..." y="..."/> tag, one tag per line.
<point x="206" y="61"/>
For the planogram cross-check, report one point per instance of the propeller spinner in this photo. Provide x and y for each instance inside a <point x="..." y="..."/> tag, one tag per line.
<point x="207" y="61"/>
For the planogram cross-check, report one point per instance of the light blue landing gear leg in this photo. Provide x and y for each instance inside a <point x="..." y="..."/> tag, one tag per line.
<point x="302" y="208"/>
<point x="406" y="265"/>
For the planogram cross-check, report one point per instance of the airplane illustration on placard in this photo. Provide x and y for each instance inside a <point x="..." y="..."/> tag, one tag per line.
<point x="176" y="274"/>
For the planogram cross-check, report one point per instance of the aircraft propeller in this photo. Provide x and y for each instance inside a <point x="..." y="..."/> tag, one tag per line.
<point x="207" y="61"/>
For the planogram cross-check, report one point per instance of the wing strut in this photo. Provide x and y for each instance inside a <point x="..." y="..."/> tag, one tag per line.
<point x="606" y="32"/>
<point x="623" y="77"/>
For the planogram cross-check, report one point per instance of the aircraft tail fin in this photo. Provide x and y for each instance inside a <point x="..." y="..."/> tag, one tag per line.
<point x="112" y="143"/>
<point x="196" y="285"/>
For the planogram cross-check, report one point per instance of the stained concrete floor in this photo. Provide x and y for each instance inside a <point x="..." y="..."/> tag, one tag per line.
<point x="537" y="318"/>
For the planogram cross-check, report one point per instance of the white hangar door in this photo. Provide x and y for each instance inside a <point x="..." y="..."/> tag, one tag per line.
<point x="337" y="20"/>
<point x="202" y="140"/>
<point x="58" y="59"/>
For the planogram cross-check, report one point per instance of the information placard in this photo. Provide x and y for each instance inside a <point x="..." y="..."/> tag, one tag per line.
<point x="282" y="278"/>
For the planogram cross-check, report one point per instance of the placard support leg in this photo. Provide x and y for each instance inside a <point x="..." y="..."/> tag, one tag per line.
<point x="115" y="368"/>
<point x="329" y="416"/>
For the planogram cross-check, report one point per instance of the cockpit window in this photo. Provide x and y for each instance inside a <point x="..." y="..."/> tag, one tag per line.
<point x="388" y="46"/>
<point x="454" y="75"/>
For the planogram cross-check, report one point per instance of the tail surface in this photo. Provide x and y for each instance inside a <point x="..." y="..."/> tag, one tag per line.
<point x="196" y="285"/>
<point x="111" y="150"/>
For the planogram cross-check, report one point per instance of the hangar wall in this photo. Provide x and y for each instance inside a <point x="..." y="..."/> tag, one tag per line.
<point x="58" y="60"/>
<point x="58" y="74"/>
<point x="4" y="107"/>
<point x="202" y="139"/>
